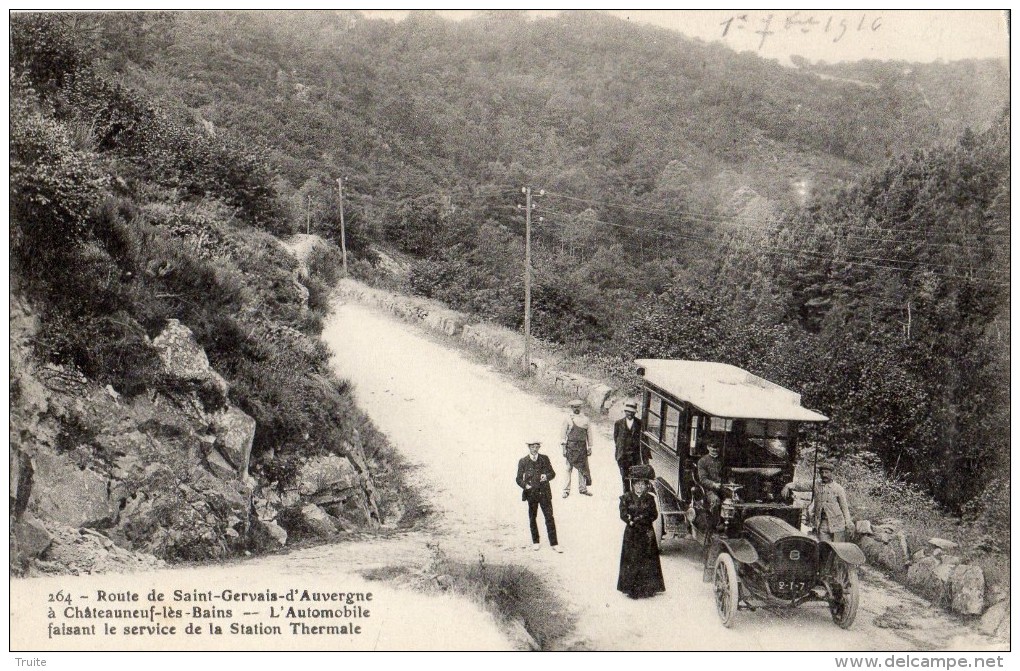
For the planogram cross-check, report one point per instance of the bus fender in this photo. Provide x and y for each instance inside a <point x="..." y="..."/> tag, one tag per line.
<point x="740" y="549"/>
<point x="848" y="552"/>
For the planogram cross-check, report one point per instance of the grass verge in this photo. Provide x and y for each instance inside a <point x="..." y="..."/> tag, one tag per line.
<point x="529" y="612"/>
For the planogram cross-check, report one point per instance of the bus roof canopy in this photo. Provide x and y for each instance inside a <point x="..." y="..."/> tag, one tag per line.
<point x="726" y="391"/>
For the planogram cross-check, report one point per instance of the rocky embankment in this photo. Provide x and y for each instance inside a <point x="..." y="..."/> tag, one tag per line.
<point x="102" y="483"/>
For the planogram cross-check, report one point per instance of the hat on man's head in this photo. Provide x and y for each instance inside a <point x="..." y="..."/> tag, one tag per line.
<point x="826" y="465"/>
<point x="533" y="441"/>
<point x="630" y="405"/>
<point x="576" y="403"/>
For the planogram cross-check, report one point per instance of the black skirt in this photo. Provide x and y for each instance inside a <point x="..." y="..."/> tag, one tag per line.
<point x="640" y="569"/>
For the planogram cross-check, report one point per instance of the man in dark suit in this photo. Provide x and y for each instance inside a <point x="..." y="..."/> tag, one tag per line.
<point x="533" y="475"/>
<point x="710" y="476"/>
<point x="627" y="435"/>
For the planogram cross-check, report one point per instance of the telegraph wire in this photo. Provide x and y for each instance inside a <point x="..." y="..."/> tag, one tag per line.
<point x="721" y="219"/>
<point x="848" y="259"/>
<point x="853" y="256"/>
<point x="633" y="248"/>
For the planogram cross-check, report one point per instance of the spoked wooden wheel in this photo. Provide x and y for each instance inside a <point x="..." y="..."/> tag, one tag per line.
<point x="844" y="593"/>
<point x="727" y="589"/>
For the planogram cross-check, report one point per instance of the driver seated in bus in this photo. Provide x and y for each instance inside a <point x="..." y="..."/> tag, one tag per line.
<point x="710" y="477"/>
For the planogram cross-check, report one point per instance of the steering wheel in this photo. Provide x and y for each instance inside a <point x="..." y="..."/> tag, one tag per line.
<point x="732" y="486"/>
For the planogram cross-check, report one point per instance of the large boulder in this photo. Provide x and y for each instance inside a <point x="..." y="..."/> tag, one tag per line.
<point x="31" y="538"/>
<point x="889" y="555"/>
<point x="268" y="535"/>
<point x="184" y="514"/>
<point x="453" y="323"/>
<point x="967" y="589"/>
<point x="943" y="544"/>
<point x="328" y="478"/>
<point x="447" y="321"/>
<point x="995" y="621"/>
<point x="472" y="333"/>
<point x="318" y="520"/>
<point x="180" y="353"/>
<point x="922" y="577"/>
<point x="332" y="482"/>
<point x="85" y="551"/>
<point x="353" y="509"/>
<point x="184" y="359"/>
<point x="597" y="397"/>
<point x="70" y="495"/>
<point x="513" y="355"/>
<point x="354" y="450"/>
<point x="235" y="432"/>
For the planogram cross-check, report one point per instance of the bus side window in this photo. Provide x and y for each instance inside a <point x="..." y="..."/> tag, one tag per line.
<point x="671" y="428"/>
<point x="694" y="435"/>
<point x="653" y="424"/>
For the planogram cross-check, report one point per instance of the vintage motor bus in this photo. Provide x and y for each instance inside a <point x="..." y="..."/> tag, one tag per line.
<point x="755" y="551"/>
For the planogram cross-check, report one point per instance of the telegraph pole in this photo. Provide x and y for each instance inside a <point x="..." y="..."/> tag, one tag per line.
<point x="343" y="231"/>
<point x="527" y="275"/>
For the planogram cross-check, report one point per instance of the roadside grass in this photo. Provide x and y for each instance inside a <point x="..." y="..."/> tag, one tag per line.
<point x="526" y="608"/>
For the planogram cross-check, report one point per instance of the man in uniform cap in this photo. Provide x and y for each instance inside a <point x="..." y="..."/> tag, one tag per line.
<point x="577" y="448"/>
<point x="534" y="471"/>
<point x="828" y="511"/>
<point x="627" y="436"/>
<point x="710" y="467"/>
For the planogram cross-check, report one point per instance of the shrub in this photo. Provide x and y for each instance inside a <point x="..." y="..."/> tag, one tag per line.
<point x="318" y="304"/>
<point x="53" y="189"/>
<point x="108" y="349"/>
<point x="325" y="263"/>
<point x="48" y="48"/>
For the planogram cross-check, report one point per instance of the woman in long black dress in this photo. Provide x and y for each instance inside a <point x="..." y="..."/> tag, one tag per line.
<point x="640" y="570"/>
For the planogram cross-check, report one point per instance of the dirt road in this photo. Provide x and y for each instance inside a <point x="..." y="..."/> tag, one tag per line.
<point x="465" y="426"/>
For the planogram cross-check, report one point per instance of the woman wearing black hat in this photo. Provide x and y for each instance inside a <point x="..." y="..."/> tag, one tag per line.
<point x="640" y="570"/>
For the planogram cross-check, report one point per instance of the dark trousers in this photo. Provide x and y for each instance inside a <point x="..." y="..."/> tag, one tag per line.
<point x="547" y="512"/>
<point x="713" y="504"/>
<point x="624" y="471"/>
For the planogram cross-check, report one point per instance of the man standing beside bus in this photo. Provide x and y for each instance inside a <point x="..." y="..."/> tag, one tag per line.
<point x="627" y="436"/>
<point x="829" y="510"/>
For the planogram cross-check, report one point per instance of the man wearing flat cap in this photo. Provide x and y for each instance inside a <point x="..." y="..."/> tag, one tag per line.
<point x="627" y="436"/>
<point x="828" y="511"/>
<point x="577" y="448"/>
<point x="534" y="472"/>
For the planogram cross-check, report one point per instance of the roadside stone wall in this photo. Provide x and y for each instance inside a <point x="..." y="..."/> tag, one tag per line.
<point x="936" y="570"/>
<point x="502" y="343"/>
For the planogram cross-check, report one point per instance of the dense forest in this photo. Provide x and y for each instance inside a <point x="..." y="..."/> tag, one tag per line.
<point x="843" y="230"/>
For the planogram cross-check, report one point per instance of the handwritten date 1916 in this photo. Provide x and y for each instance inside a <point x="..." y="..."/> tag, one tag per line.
<point x="830" y="25"/>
